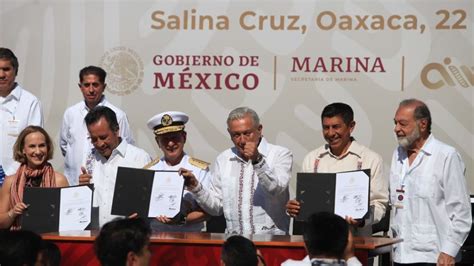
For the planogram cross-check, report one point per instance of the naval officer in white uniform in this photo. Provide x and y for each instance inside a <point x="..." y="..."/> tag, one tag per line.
<point x="170" y="136"/>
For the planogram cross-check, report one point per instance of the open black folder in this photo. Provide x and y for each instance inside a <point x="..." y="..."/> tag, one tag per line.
<point x="43" y="213"/>
<point x="316" y="192"/>
<point x="133" y="191"/>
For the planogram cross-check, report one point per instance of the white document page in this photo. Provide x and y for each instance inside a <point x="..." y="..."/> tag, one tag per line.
<point x="166" y="194"/>
<point x="352" y="194"/>
<point x="75" y="208"/>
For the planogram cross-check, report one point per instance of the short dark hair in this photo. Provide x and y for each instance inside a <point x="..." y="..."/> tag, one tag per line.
<point x="20" y="143"/>
<point x="98" y="112"/>
<point x="421" y="110"/>
<point x="326" y="234"/>
<point x="19" y="247"/>
<point x="51" y="254"/>
<point x="239" y="251"/>
<point x="7" y="54"/>
<point x="119" y="237"/>
<point x="338" y="109"/>
<point x="93" y="70"/>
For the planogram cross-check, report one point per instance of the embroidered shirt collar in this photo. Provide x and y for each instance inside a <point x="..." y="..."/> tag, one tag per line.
<point x="354" y="148"/>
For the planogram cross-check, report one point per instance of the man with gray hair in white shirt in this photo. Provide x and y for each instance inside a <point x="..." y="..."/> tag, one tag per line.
<point x="249" y="182"/>
<point x="432" y="209"/>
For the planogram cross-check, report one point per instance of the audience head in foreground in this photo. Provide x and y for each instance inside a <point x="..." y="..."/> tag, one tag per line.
<point x="328" y="241"/>
<point x="20" y="248"/>
<point x="326" y="236"/>
<point x="240" y="251"/>
<point x="124" y="242"/>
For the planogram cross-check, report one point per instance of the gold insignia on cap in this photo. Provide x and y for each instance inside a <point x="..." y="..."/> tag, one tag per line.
<point x="166" y="120"/>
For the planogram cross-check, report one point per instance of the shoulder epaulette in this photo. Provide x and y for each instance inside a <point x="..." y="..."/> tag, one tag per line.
<point x="150" y="164"/>
<point x="198" y="163"/>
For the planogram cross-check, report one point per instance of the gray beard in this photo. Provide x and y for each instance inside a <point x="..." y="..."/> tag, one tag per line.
<point x="407" y="141"/>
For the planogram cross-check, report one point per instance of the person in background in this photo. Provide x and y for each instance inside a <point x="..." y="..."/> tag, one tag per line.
<point x="32" y="150"/>
<point x="74" y="137"/>
<point x="18" y="109"/>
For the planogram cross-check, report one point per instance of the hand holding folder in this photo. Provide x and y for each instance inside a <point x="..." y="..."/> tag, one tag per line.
<point x="57" y="209"/>
<point x="345" y="193"/>
<point x="148" y="193"/>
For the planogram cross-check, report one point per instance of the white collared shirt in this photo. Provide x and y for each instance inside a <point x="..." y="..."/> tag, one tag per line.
<point x="17" y="111"/>
<point x="436" y="213"/>
<point x="352" y="261"/>
<point x="202" y="176"/>
<point x="357" y="157"/>
<point x="255" y="203"/>
<point x="74" y="138"/>
<point x="105" y="174"/>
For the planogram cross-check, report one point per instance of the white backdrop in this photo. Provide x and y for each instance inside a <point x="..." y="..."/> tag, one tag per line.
<point x="285" y="59"/>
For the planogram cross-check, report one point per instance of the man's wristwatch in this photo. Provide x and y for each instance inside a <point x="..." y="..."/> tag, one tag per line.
<point x="179" y="219"/>
<point x="197" y="188"/>
<point x="258" y="160"/>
